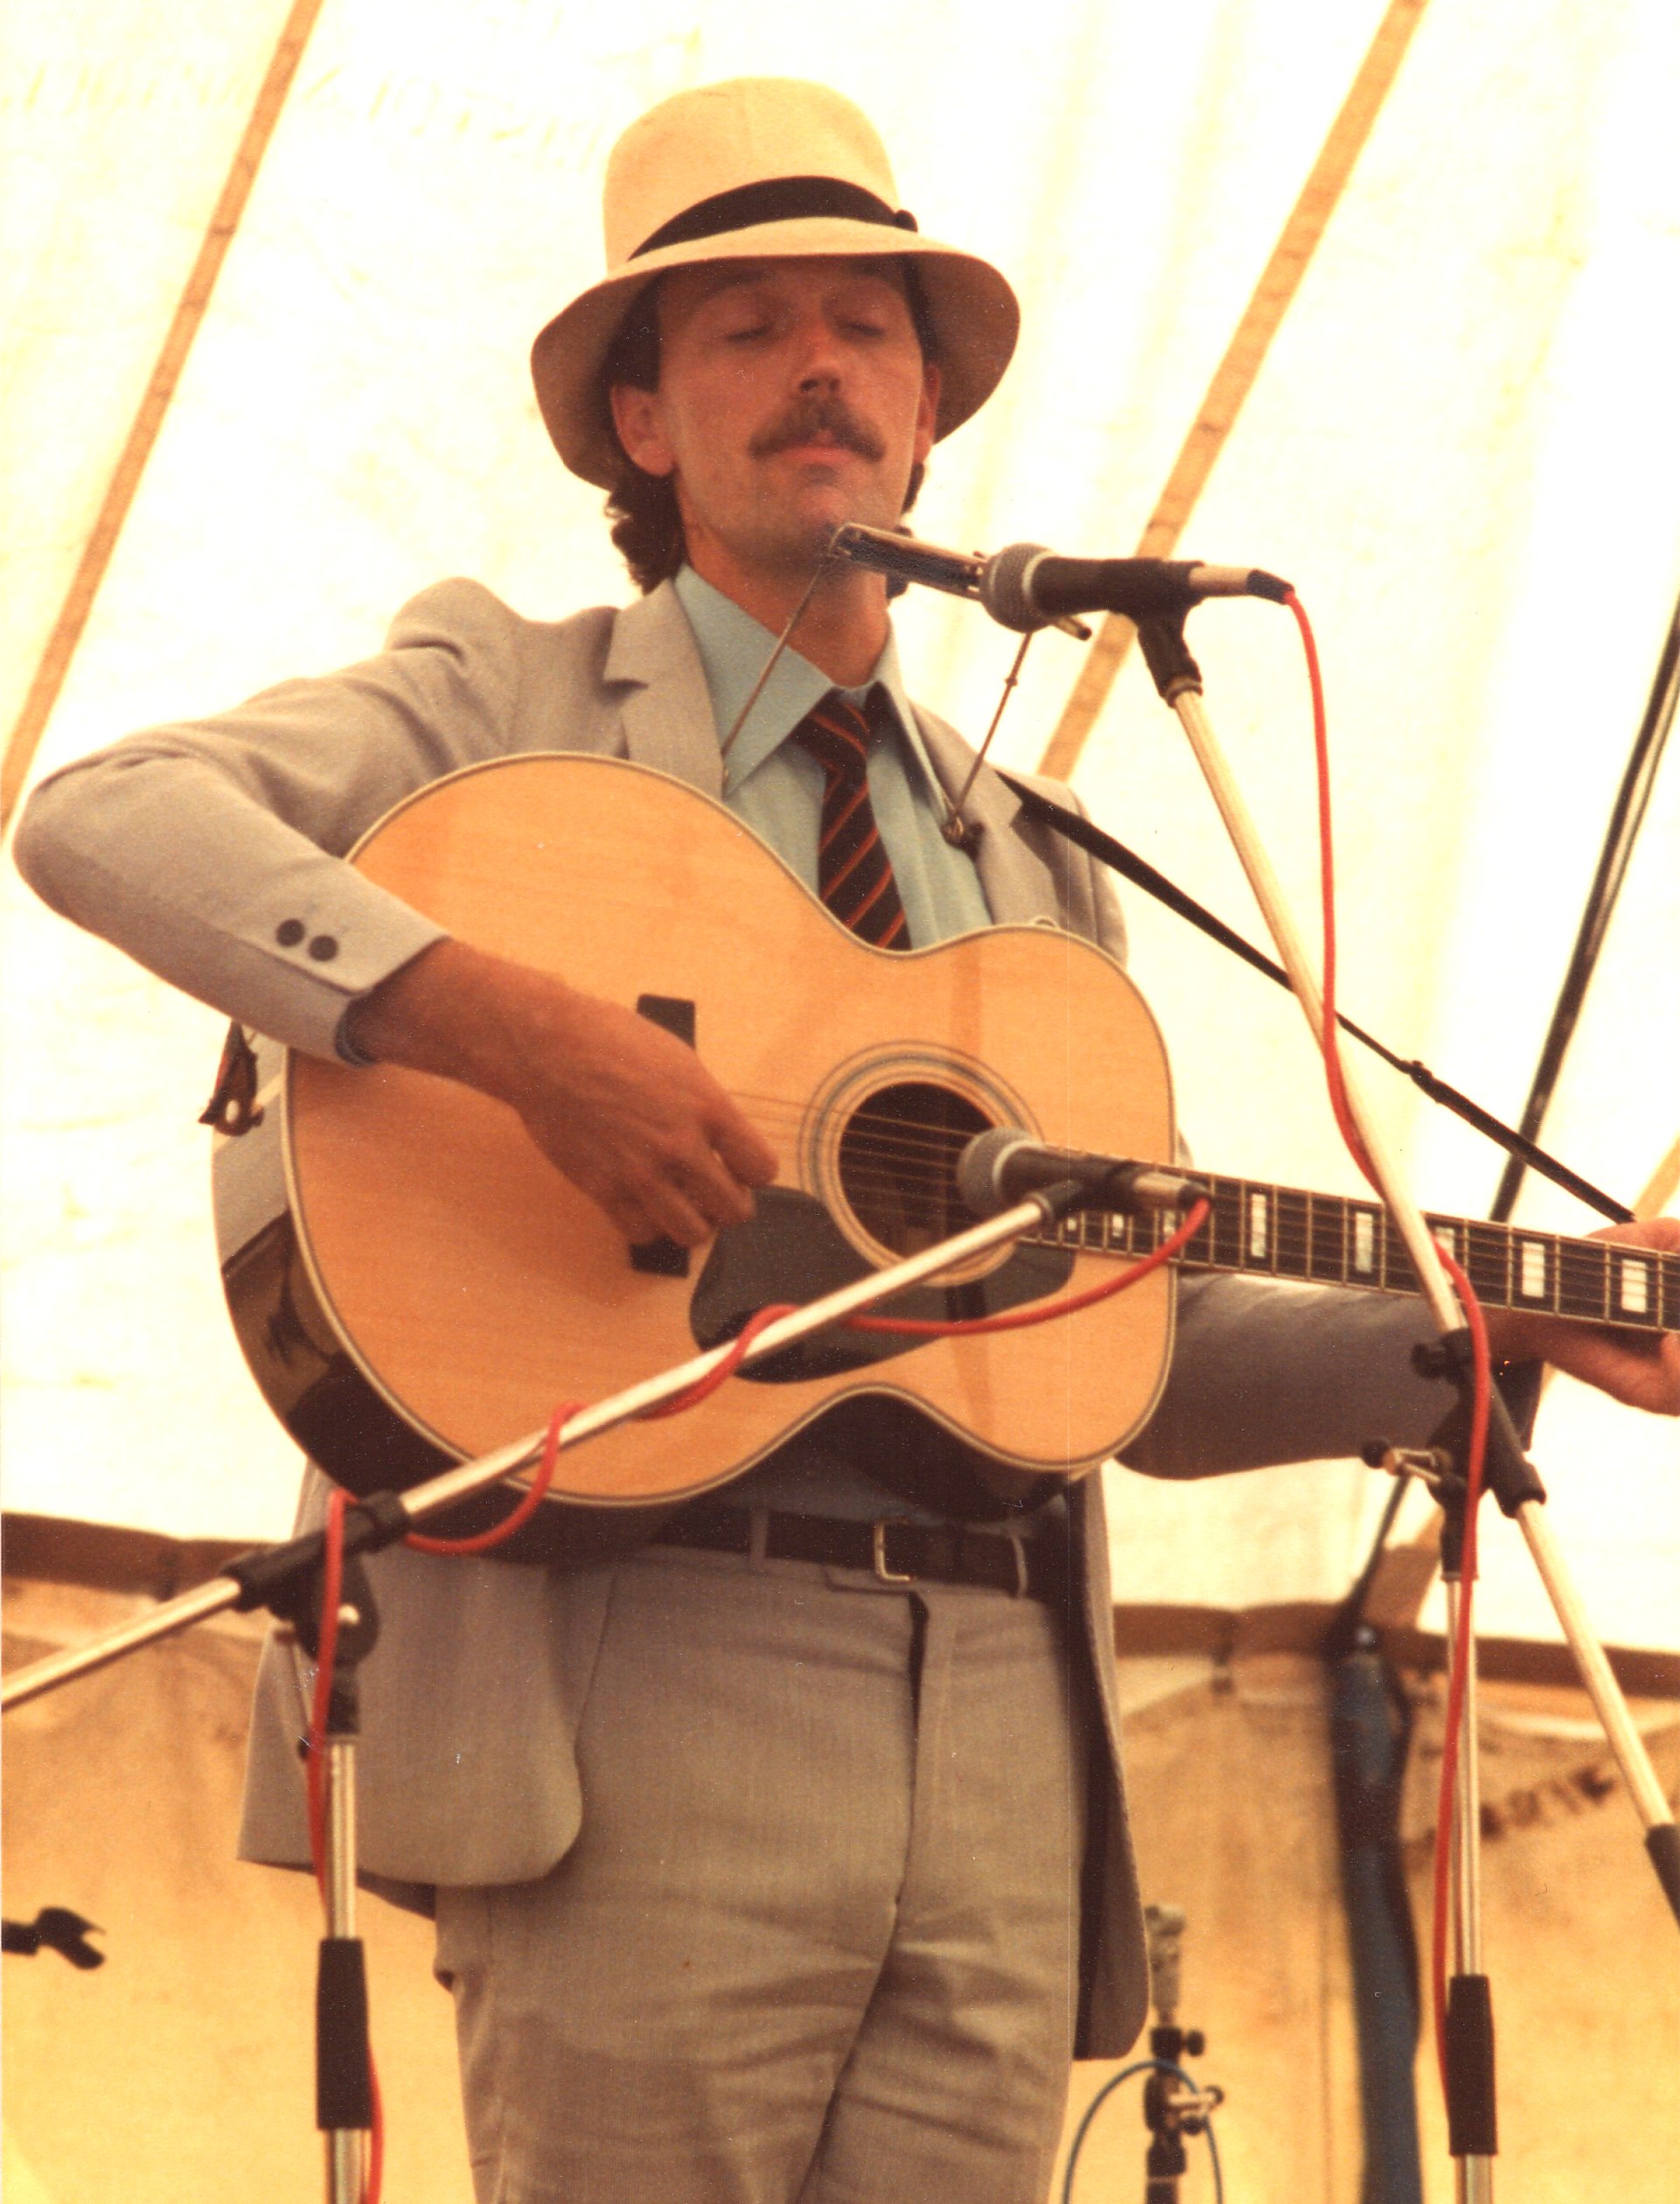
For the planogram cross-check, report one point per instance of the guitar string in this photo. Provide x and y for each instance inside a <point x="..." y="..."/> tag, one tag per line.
<point x="1300" y="1251"/>
<point x="889" y="1137"/>
<point x="893" y="1172"/>
<point x="918" y="1143"/>
<point x="878" y="1157"/>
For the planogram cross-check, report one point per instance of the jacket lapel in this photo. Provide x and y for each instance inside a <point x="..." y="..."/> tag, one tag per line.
<point x="666" y="712"/>
<point x="667" y="709"/>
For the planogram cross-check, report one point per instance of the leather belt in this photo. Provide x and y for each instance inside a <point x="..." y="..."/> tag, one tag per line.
<point x="891" y="1549"/>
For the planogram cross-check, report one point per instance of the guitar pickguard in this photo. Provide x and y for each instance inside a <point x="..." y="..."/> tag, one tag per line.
<point x="792" y="1251"/>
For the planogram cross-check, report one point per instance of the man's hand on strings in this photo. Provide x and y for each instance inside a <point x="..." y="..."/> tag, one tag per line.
<point x="628" y="1112"/>
<point x="1639" y="1367"/>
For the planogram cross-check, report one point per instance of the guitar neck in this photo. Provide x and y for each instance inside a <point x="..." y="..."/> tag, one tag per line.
<point x="1281" y="1232"/>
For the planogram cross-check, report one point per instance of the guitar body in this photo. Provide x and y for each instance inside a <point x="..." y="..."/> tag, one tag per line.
<point x="413" y="1283"/>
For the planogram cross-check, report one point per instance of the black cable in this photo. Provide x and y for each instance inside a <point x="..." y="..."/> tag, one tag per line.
<point x="1092" y="838"/>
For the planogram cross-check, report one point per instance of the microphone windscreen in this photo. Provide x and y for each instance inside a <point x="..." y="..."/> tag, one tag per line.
<point x="1003" y="588"/>
<point x="978" y="1167"/>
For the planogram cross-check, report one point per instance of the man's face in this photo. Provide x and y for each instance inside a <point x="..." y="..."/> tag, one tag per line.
<point x="793" y="396"/>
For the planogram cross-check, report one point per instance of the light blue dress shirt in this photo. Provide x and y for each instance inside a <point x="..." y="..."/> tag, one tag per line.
<point x="776" y="788"/>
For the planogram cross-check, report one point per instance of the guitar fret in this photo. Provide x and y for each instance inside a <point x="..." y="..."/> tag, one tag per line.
<point x="1487" y="1261"/>
<point x="1199" y="1247"/>
<point x="1250" y="1224"/>
<point x="1325" y="1257"/>
<point x="1227" y="1224"/>
<point x="1583" y="1280"/>
<point x="1291" y="1231"/>
<point x="1364" y="1245"/>
<point x="1534" y="1265"/>
<point x="1260" y="1230"/>
<point x="1399" y="1271"/>
<point x="1636" y="1288"/>
<point x="1288" y="1232"/>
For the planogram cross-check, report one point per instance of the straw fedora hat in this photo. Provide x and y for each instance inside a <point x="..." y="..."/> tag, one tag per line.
<point x="757" y="167"/>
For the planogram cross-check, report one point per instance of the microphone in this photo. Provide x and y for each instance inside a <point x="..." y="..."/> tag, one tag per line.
<point x="1026" y="587"/>
<point x="905" y="559"/>
<point x="1003" y="1167"/>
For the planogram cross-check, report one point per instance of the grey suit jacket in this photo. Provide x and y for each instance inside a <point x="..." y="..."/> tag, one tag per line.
<point x="213" y="851"/>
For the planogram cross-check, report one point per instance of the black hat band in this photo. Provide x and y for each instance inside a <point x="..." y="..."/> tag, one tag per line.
<point x="780" y="199"/>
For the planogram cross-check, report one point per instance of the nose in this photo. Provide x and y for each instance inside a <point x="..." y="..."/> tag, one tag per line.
<point x="817" y="355"/>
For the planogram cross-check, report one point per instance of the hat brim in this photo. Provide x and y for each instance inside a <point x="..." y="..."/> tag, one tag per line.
<point x="973" y="310"/>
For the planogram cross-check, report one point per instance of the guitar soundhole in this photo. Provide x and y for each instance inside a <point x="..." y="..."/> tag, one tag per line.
<point x="897" y="1161"/>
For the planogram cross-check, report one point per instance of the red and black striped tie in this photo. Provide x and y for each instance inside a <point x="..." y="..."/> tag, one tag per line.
<point x="854" y="875"/>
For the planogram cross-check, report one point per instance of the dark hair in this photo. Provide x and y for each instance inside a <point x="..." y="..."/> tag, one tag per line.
<point x="646" y="523"/>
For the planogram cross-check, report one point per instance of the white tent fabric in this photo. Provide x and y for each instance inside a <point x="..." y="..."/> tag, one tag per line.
<point x="1462" y="449"/>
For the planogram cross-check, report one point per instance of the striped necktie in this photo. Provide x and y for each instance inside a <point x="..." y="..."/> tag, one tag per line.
<point x="854" y="875"/>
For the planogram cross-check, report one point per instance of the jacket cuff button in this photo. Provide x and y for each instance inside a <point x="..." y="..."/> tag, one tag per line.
<point x="288" y="932"/>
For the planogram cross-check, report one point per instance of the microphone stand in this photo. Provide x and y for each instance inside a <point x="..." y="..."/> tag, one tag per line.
<point x="270" y="1576"/>
<point x="1510" y="1476"/>
<point x="286" y="1579"/>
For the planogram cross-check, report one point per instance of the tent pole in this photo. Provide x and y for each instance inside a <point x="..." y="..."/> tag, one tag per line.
<point x="97" y="551"/>
<point x="1238" y="371"/>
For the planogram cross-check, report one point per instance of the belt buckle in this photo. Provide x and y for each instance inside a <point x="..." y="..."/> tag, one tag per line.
<point x="880" y="1527"/>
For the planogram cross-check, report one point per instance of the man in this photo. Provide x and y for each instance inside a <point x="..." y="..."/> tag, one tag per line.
<point x="760" y="1873"/>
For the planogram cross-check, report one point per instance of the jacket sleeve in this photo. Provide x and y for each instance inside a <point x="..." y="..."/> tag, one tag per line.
<point x="213" y="851"/>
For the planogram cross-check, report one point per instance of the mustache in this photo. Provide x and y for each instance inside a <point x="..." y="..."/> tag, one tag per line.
<point x="809" y="418"/>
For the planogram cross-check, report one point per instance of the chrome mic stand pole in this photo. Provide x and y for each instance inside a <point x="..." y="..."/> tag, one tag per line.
<point x="255" y="1578"/>
<point x="343" y="2072"/>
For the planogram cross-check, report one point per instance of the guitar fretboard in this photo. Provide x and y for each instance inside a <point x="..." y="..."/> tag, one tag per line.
<point x="1280" y="1231"/>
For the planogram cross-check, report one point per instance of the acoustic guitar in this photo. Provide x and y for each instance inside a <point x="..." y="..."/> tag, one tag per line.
<point x="413" y="1284"/>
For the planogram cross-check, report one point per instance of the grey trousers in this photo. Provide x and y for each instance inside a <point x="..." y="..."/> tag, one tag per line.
<point x="816" y="1940"/>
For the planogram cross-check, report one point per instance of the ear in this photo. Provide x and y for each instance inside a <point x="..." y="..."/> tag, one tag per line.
<point x="927" y="412"/>
<point x="639" y="419"/>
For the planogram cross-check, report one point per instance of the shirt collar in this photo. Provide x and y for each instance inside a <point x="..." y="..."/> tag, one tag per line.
<point x="733" y="647"/>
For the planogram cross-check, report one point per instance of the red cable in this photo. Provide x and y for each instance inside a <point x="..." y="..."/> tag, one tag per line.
<point x="1018" y="1319"/>
<point x="1459" y="1652"/>
<point x="703" y="1388"/>
<point x="1330" y="1038"/>
<point x="482" y="1541"/>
